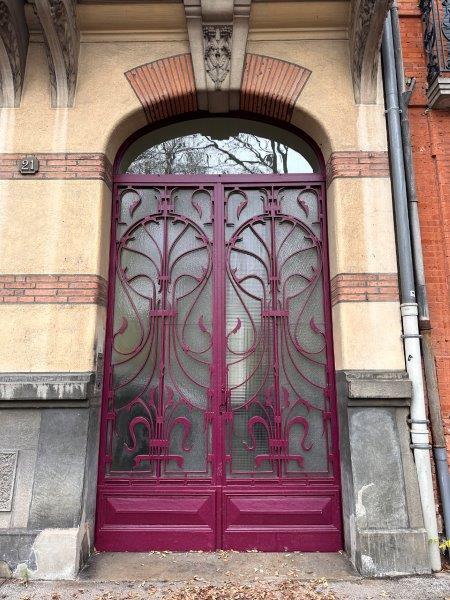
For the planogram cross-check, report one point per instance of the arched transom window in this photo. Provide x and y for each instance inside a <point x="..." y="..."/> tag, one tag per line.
<point x="219" y="146"/>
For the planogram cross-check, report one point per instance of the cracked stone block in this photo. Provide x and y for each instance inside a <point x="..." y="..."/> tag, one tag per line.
<point x="8" y="464"/>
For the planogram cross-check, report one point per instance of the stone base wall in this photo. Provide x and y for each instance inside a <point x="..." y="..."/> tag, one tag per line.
<point x="48" y="521"/>
<point x="383" y="523"/>
<point x="47" y="526"/>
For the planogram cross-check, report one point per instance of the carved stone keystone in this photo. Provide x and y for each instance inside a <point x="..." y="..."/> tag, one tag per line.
<point x="218" y="32"/>
<point x="13" y="52"/>
<point x="366" y="28"/>
<point x="62" y="42"/>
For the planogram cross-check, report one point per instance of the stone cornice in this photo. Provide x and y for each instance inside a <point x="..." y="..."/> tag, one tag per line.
<point x="48" y="390"/>
<point x="13" y="52"/>
<point x="367" y="18"/>
<point x="62" y="41"/>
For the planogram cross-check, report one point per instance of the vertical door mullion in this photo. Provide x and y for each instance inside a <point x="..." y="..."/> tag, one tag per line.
<point x="218" y="371"/>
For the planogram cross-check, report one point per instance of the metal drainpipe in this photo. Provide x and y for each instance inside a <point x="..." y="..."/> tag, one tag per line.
<point x="437" y="427"/>
<point x="409" y="309"/>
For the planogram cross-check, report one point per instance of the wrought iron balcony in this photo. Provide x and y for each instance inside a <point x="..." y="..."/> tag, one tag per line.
<point x="436" y="18"/>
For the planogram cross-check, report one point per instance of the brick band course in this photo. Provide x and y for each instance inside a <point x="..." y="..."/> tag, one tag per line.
<point x="92" y="289"/>
<point x="357" y="164"/>
<point x="53" y="289"/>
<point x="60" y="165"/>
<point x="364" y="287"/>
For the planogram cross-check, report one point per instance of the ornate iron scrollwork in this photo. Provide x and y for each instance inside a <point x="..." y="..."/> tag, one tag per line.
<point x="436" y="36"/>
<point x="446" y="29"/>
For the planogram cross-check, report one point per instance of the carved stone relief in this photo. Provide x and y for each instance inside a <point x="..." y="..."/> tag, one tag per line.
<point x="59" y="25"/>
<point x="366" y="28"/>
<point x="13" y="52"/>
<point x="8" y="463"/>
<point x="217" y="52"/>
<point x="218" y="37"/>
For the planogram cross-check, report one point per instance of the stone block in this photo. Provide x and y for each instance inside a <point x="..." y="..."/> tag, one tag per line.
<point x="23" y="488"/>
<point x="383" y="522"/>
<point x="374" y="387"/>
<point x="8" y="465"/>
<point x="60" y="465"/>
<point x="57" y="554"/>
<point x="377" y="469"/>
<point x="16" y="547"/>
<point x="388" y="553"/>
<point x="19" y="429"/>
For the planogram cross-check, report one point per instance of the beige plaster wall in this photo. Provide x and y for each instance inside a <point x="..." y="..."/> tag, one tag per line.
<point x="59" y="227"/>
<point x="107" y="111"/>
<point x="361" y="226"/>
<point x="70" y="220"/>
<point x="105" y="102"/>
<point x="367" y="335"/>
<point x="326" y="108"/>
<point x="50" y="337"/>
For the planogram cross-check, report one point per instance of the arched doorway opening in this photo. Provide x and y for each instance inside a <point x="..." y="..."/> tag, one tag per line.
<point x="219" y="425"/>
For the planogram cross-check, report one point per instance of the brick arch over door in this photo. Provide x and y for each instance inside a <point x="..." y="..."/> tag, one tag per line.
<point x="166" y="87"/>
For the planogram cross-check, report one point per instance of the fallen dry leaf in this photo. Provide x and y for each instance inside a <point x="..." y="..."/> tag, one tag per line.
<point x="287" y="590"/>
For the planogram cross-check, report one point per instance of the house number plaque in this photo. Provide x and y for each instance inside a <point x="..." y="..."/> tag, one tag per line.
<point x="28" y="165"/>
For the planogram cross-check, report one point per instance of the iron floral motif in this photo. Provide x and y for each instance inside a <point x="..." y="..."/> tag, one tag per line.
<point x="433" y="41"/>
<point x="217" y="52"/>
<point x="158" y="367"/>
<point x="274" y="262"/>
<point x="446" y="29"/>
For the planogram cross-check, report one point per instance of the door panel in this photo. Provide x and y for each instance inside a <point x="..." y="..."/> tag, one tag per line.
<point x="278" y="392"/>
<point x="161" y="349"/>
<point x="140" y="520"/>
<point x="307" y="520"/>
<point x="218" y="425"/>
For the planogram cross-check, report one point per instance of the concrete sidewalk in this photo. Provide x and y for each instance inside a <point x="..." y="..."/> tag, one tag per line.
<point x="225" y="576"/>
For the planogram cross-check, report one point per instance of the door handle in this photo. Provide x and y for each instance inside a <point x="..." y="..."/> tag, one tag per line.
<point x="223" y="407"/>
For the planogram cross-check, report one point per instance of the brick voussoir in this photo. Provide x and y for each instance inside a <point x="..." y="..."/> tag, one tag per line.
<point x="275" y="93"/>
<point x="161" y="93"/>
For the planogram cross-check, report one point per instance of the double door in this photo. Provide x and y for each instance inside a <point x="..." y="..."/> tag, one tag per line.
<point x="218" y="419"/>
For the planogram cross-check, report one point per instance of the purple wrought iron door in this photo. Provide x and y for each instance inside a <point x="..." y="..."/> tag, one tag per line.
<point x="219" y="423"/>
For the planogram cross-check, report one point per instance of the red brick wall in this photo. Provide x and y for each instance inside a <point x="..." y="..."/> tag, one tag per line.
<point x="430" y="131"/>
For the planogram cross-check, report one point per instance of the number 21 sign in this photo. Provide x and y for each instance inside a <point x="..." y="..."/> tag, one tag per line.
<point x="28" y="165"/>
